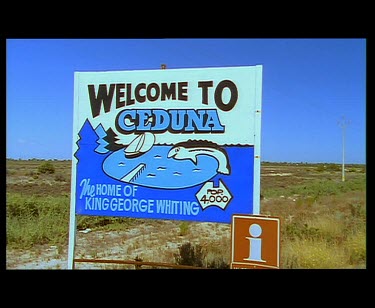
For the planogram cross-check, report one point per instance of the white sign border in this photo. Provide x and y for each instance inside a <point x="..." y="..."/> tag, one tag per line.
<point x="256" y="171"/>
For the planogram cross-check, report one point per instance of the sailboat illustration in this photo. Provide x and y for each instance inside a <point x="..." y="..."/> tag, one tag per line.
<point x="140" y="145"/>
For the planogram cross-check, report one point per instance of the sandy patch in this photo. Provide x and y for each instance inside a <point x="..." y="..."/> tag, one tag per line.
<point x="149" y="242"/>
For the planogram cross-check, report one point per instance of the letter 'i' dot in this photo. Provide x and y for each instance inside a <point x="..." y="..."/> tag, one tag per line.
<point x="255" y="243"/>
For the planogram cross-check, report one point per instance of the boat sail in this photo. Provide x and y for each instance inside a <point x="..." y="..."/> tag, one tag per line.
<point x="140" y="145"/>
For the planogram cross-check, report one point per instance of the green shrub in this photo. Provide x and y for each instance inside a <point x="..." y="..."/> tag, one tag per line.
<point x="184" y="228"/>
<point x="21" y="207"/>
<point x="218" y="264"/>
<point x="318" y="188"/>
<point x="328" y="167"/>
<point x="190" y="255"/>
<point x="46" y="167"/>
<point x="301" y="231"/>
<point x="84" y="222"/>
<point x="33" y="220"/>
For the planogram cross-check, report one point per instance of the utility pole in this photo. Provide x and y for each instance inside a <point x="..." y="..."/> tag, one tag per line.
<point x="343" y="123"/>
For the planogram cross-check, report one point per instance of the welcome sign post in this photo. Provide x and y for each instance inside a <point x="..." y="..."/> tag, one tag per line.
<point x="179" y="144"/>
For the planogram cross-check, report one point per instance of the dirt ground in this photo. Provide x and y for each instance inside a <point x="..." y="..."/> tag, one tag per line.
<point x="154" y="242"/>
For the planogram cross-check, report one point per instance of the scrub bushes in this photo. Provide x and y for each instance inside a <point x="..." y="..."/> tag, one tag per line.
<point x="46" y="167"/>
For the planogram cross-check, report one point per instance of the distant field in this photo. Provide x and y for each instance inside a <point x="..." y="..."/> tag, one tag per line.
<point x="323" y="219"/>
<point x="273" y="175"/>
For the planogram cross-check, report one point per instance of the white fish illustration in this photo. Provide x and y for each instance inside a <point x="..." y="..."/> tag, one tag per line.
<point x="191" y="149"/>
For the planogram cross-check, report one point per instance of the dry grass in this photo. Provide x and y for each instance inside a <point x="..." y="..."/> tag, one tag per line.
<point x="309" y="254"/>
<point x="322" y="225"/>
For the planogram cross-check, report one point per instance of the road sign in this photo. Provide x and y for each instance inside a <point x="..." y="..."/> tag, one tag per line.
<point x="179" y="144"/>
<point x="255" y="242"/>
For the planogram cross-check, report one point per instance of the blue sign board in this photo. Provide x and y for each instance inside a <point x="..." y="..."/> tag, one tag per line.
<point x="180" y="144"/>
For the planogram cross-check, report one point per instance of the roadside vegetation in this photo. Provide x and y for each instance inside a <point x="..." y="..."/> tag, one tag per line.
<point x="323" y="219"/>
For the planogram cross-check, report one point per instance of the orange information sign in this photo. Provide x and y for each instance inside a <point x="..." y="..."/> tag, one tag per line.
<point x="255" y="242"/>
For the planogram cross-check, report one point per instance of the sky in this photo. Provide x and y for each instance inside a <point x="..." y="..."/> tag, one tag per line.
<point x="313" y="90"/>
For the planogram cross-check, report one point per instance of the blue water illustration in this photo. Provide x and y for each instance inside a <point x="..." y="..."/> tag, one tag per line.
<point x="157" y="187"/>
<point x="154" y="169"/>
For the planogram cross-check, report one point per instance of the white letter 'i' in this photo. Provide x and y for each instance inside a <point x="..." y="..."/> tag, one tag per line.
<point x="255" y="244"/>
